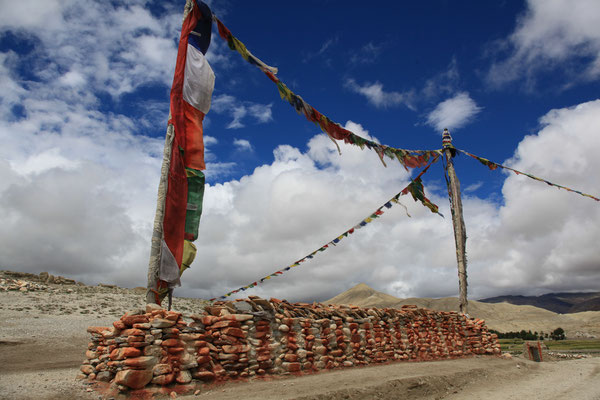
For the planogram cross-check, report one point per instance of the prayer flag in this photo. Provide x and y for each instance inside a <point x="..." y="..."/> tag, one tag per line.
<point x="190" y="98"/>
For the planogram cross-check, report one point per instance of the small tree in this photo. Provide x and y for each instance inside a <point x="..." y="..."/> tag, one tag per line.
<point x="558" y="334"/>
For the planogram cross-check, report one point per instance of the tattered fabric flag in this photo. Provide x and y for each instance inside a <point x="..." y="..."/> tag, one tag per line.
<point x="415" y="188"/>
<point x="492" y="165"/>
<point x="408" y="158"/>
<point x="190" y="100"/>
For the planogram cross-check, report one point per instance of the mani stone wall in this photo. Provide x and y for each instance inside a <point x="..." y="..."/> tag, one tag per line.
<point x="256" y="337"/>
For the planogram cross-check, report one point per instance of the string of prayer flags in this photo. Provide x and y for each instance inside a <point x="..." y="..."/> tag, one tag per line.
<point x="408" y="158"/>
<point x="415" y="188"/>
<point x="493" y="166"/>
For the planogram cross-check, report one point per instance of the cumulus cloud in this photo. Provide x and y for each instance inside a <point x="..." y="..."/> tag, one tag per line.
<point x="78" y="184"/>
<point x="453" y="113"/>
<point x="56" y="217"/>
<point x="538" y="240"/>
<point x="378" y="97"/>
<point x="543" y="235"/>
<point x="548" y="36"/>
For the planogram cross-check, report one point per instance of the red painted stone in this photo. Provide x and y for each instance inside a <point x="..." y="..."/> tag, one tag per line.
<point x="175" y="350"/>
<point x="129" y="320"/>
<point x="204" y="375"/>
<point x="172" y="343"/>
<point x="119" y="325"/>
<point x="225" y="324"/>
<point x="209" y="319"/>
<point x="263" y="357"/>
<point x="172" y="315"/>
<point x="203" y="351"/>
<point x="237" y="332"/>
<point x="142" y="362"/>
<point x="261" y="334"/>
<point x="238" y="317"/>
<point x="134" y="378"/>
<point x="133" y="332"/>
<point x="293" y="367"/>
<point x="203" y="360"/>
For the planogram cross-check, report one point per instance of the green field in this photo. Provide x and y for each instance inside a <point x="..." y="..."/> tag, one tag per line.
<point x="516" y="345"/>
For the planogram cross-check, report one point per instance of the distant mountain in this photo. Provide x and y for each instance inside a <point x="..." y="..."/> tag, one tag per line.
<point x="562" y="303"/>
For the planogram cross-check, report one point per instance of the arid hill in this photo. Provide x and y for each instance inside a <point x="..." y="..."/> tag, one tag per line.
<point x="502" y="317"/>
<point x="562" y="303"/>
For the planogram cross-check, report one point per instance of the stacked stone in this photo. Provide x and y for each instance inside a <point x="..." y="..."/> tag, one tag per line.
<point x="258" y="337"/>
<point x="141" y="348"/>
<point x="227" y="344"/>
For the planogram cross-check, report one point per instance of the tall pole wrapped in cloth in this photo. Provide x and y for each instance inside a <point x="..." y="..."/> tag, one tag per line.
<point x="181" y="187"/>
<point x="460" y="232"/>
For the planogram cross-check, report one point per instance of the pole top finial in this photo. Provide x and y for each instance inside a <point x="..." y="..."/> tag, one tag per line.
<point x="447" y="139"/>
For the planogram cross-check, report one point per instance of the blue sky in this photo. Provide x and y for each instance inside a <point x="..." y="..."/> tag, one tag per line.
<point x="84" y="101"/>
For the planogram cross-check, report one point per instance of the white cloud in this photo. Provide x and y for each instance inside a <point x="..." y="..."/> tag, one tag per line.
<point x="77" y="186"/>
<point x="242" y="144"/>
<point x="32" y="14"/>
<point x="453" y="113"/>
<point x="542" y="235"/>
<point x="210" y="140"/>
<point x="378" y="97"/>
<point x="552" y="34"/>
<point x="239" y="110"/>
<point x="63" y="194"/>
<point x="113" y="48"/>
<point x="441" y="84"/>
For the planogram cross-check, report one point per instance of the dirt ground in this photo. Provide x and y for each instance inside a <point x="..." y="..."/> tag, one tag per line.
<point x="43" y="339"/>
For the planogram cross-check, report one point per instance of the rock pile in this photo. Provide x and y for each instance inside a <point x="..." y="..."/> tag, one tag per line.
<point x="59" y="280"/>
<point x="7" y="284"/>
<point x="257" y="337"/>
<point x="568" y="356"/>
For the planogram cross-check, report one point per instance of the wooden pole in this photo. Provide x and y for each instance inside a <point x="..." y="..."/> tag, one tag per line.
<point x="157" y="233"/>
<point x="460" y="233"/>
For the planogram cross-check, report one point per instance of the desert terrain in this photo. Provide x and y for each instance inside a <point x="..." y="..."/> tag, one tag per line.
<point x="43" y="339"/>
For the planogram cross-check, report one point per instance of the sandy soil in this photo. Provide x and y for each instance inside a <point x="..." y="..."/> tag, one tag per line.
<point x="43" y="339"/>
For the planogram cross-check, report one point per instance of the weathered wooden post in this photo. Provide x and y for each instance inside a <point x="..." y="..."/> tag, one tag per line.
<point x="157" y="233"/>
<point x="460" y="233"/>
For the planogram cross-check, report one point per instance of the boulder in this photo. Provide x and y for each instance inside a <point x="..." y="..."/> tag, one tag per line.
<point x="134" y="378"/>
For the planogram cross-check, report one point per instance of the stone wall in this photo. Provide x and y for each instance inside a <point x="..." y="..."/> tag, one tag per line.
<point x="257" y="337"/>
